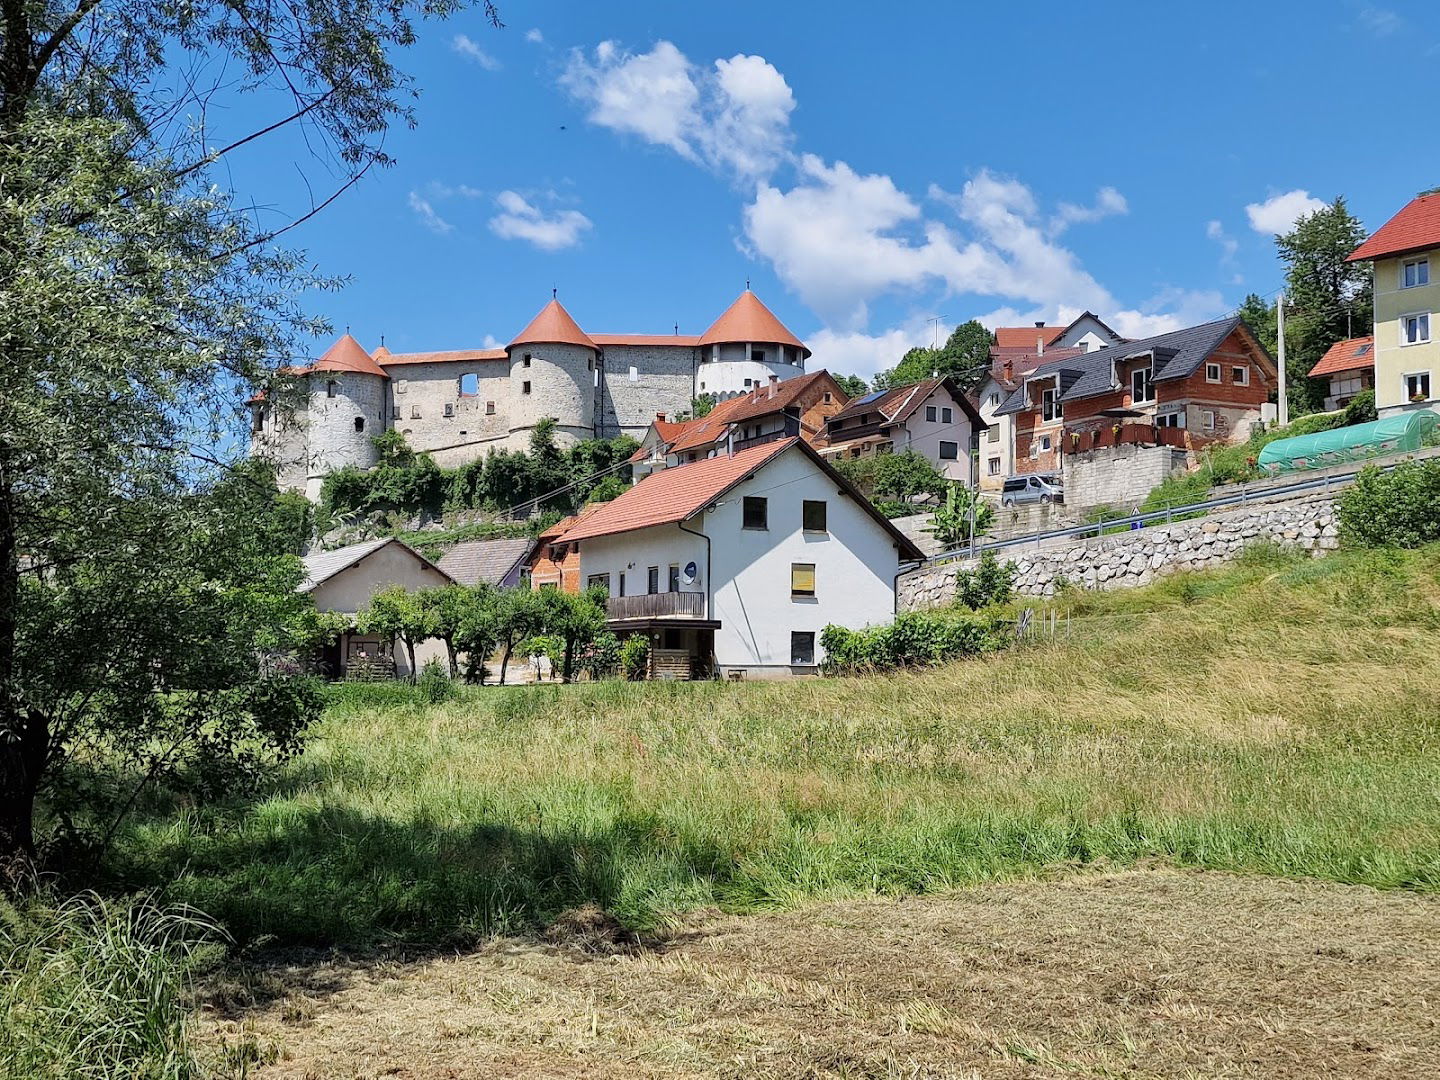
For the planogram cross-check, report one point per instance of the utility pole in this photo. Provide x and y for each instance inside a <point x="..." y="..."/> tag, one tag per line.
<point x="1283" y="402"/>
<point x="935" y="321"/>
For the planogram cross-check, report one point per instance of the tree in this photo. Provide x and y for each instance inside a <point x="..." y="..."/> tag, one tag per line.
<point x="142" y="303"/>
<point x="952" y="525"/>
<point x="575" y="619"/>
<point x="1327" y="298"/>
<point x="518" y="614"/>
<point x="965" y="357"/>
<point x="475" y="634"/>
<point x="853" y="385"/>
<point x="701" y="406"/>
<point x="397" y="613"/>
<point x="446" y="612"/>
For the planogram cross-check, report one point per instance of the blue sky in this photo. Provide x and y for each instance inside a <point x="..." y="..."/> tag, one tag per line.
<point x="865" y="166"/>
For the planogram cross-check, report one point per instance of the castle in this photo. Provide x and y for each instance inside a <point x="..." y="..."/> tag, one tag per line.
<point x="459" y="405"/>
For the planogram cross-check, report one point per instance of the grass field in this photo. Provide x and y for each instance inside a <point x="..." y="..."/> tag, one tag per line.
<point x="1279" y="718"/>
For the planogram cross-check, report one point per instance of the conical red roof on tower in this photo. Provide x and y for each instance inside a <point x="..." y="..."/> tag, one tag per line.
<point x="347" y="354"/>
<point x="553" y="326"/>
<point x="747" y="319"/>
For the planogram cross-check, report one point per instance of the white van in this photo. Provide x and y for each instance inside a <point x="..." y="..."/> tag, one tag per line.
<point x="1032" y="488"/>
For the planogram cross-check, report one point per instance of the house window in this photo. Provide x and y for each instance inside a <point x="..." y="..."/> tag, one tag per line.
<point x="525" y="360"/>
<point x="674" y="583"/>
<point x="827" y="398"/>
<point x="652" y="580"/>
<point x="414" y="412"/>
<point x="802" y="648"/>
<point x="995" y="399"/>
<point x="992" y="433"/>
<point x="598" y="581"/>
<point x="489" y="408"/>
<point x="359" y="423"/>
<point x="1212" y="372"/>
<point x="802" y="579"/>
<point x="1142" y="387"/>
<point x="1417" y="386"/>
<point x="1240" y="375"/>
<point x="1415" y="329"/>
<point x="449" y="409"/>
<point x="330" y="387"/>
<point x="930" y="413"/>
<point x="1174" y="419"/>
<point x="1207" y="419"/>
<point x="620" y="584"/>
<point x="947" y="416"/>
<point x="885" y="448"/>
<point x="949" y="451"/>
<point x="756" y="512"/>
<point x="1050" y="407"/>
<point x="525" y="387"/>
<point x="812" y="515"/>
<point x="1415" y="272"/>
<point x="994" y="466"/>
<point x="1044" y="442"/>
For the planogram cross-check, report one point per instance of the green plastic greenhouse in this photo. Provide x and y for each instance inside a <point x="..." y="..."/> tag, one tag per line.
<point x="1390" y="435"/>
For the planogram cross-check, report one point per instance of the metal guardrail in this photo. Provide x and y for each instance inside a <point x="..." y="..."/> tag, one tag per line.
<point x="1168" y="515"/>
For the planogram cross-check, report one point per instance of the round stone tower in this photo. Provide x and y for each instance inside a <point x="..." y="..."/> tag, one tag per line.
<point x="745" y="348"/>
<point x="553" y="372"/>
<point x="348" y="407"/>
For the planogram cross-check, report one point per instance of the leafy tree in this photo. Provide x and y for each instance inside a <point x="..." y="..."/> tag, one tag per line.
<point x="446" y="611"/>
<point x="1328" y="299"/>
<point x="577" y="620"/>
<point x="476" y="632"/>
<point x="612" y="487"/>
<point x="397" y="613"/>
<point x="965" y="356"/>
<point x="1259" y="315"/>
<point x="952" y="524"/>
<point x="517" y="614"/>
<point x="142" y="303"/>
<point x="853" y="385"/>
<point x="702" y="405"/>
<point x="989" y="584"/>
<point x="894" y="476"/>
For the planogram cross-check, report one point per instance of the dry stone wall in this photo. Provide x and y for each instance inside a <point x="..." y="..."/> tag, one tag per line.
<point x="1139" y="557"/>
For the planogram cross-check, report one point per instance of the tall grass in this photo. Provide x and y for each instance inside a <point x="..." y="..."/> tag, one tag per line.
<point x="1278" y="717"/>
<point x="96" y="988"/>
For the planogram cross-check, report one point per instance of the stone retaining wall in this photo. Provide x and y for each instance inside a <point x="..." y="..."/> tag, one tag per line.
<point x="1137" y="558"/>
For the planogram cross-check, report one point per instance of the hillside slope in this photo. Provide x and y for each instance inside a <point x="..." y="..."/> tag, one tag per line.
<point x="1281" y="717"/>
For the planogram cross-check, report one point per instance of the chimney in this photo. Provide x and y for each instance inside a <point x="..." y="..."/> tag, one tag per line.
<point x="660" y="416"/>
<point x="1039" y="346"/>
<point x="1009" y="370"/>
<point x="774" y="380"/>
<point x="1040" y="324"/>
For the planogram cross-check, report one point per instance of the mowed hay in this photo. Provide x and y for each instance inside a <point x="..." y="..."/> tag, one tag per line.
<point x="1151" y="973"/>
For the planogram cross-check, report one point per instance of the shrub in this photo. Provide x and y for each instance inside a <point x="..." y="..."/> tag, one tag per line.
<point x="95" y="988"/>
<point x="987" y="585"/>
<point x="635" y="657"/>
<point x="917" y="639"/>
<point x="952" y="526"/>
<point x="601" y="659"/>
<point x="1399" y="508"/>
<point x="1361" y="409"/>
<point x="434" y="683"/>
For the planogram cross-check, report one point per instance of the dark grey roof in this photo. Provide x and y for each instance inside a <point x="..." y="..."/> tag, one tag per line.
<point x="320" y="566"/>
<point x="1176" y="355"/>
<point x="490" y="561"/>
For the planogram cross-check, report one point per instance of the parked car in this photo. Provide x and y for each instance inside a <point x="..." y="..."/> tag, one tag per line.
<point x="1037" y="487"/>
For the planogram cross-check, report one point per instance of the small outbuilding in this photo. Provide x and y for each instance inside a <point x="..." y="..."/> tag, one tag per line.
<point x="494" y="562"/>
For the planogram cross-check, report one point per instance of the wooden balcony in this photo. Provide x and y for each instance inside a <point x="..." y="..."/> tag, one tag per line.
<point x="789" y="430"/>
<point x="1123" y="435"/>
<point x="663" y="605"/>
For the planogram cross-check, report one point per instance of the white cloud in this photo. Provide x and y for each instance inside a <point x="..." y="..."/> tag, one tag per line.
<point x="734" y="119"/>
<point x="1382" y="22"/>
<point x="491" y="342"/>
<point x="519" y="219"/>
<point x="534" y="36"/>
<point x="471" y="51"/>
<point x="1108" y="203"/>
<point x="427" y="215"/>
<point x="1228" y="244"/>
<point x="1279" y="213"/>
<point x="857" y="353"/>
<point x="452" y="191"/>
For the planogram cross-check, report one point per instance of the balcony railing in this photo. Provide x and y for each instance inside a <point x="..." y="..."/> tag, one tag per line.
<point x="789" y="430"/>
<point x="1124" y="435"/>
<point x="660" y="605"/>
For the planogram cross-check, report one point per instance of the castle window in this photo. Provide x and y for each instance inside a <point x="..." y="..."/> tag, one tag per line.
<point x="401" y="385"/>
<point x="758" y="355"/>
<point x="359" y="423"/>
<point x="489" y="408"/>
<point x="464" y="433"/>
<point x="525" y="387"/>
<point x="449" y="409"/>
<point x="526" y="359"/>
<point x="330" y="387"/>
<point x="749" y="383"/>
<point x="395" y="413"/>
<point x="469" y="385"/>
<point x="590" y="363"/>
<point x="405" y="432"/>
<point x="634" y="373"/>
<point x="414" y="412"/>
<point x="257" y="419"/>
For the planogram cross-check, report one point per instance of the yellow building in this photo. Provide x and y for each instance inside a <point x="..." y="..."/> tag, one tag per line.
<point x="1406" y="254"/>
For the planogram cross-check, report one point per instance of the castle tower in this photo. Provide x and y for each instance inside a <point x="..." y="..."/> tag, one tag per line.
<point x="553" y="372"/>
<point x="745" y="347"/>
<point x="348" y="407"/>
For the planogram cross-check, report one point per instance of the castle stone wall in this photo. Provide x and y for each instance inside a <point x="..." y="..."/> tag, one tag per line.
<point x="428" y="388"/>
<point x="562" y="385"/>
<point x="664" y="382"/>
<point x="333" y="437"/>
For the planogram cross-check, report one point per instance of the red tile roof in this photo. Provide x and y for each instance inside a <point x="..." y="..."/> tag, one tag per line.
<point x="1354" y="354"/>
<point x="747" y="319"/>
<point x="385" y="358"/>
<point x="1025" y="337"/>
<point x="668" y="430"/>
<point x="553" y="326"/>
<point x="1415" y="227"/>
<point x="674" y="494"/>
<point x="704" y="430"/>
<point x="347" y="354"/>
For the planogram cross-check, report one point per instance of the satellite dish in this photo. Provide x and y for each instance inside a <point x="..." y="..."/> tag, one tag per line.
<point x="691" y="573"/>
